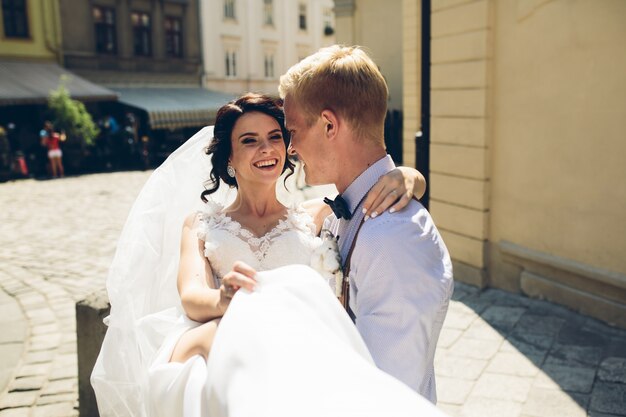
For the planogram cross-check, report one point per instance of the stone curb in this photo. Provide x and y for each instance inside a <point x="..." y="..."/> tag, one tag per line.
<point x="90" y="331"/>
<point x="12" y="341"/>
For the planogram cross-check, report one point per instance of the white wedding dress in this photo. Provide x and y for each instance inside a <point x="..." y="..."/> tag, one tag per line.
<point x="286" y="349"/>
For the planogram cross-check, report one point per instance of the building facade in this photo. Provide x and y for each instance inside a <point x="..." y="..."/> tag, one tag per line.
<point x="30" y="35"/>
<point x="132" y="42"/>
<point x="148" y="52"/>
<point x="248" y="44"/>
<point x="527" y="116"/>
<point x="30" y="58"/>
<point x="31" y="30"/>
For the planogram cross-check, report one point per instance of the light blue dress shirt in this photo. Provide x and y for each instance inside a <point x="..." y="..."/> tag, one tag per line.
<point x="400" y="283"/>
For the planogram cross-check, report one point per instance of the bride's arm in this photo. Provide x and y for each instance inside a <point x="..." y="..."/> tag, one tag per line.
<point x="200" y="300"/>
<point x="393" y="191"/>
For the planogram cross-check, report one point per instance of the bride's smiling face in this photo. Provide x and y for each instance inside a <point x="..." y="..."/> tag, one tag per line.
<point x="258" y="148"/>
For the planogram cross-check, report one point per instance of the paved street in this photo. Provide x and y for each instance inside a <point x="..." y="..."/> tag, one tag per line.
<point x="499" y="354"/>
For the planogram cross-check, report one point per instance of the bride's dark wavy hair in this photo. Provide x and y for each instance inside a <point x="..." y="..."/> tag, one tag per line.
<point x="220" y="147"/>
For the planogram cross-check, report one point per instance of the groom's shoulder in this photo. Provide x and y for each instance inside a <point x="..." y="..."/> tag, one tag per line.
<point x="413" y="221"/>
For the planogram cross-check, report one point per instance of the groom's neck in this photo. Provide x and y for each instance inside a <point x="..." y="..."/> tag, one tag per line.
<point x="354" y="160"/>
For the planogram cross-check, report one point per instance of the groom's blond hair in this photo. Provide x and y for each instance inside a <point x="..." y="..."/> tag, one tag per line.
<point x="343" y="79"/>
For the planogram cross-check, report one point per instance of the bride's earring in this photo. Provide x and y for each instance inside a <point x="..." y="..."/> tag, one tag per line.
<point x="231" y="171"/>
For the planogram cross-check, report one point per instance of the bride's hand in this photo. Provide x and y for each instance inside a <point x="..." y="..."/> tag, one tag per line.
<point x="394" y="191"/>
<point x="241" y="276"/>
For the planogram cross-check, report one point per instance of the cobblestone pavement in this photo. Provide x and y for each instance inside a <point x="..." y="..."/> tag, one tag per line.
<point x="499" y="354"/>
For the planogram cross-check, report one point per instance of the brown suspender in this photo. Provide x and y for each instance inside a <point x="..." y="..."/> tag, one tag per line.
<point x="345" y="285"/>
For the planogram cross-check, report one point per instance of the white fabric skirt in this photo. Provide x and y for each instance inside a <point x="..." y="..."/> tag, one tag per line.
<point x="286" y="349"/>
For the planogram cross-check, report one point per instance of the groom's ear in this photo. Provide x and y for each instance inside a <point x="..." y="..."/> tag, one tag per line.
<point x="331" y="123"/>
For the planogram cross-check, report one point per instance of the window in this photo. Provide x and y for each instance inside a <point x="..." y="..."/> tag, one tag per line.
<point x="269" y="65"/>
<point x="229" y="9"/>
<point x="231" y="63"/>
<point x="104" y="23"/>
<point x="302" y="16"/>
<point x="142" y="33"/>
<point x="173" y="37"/>
<point x="268" y="12"/>
<point x="328" y="22"/>
<point x="15" y="19"/>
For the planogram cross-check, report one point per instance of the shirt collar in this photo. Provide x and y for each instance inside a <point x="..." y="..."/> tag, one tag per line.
<point x="363" y="183"/>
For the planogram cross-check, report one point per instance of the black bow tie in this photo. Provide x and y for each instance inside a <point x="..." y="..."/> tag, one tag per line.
<point x="340" y="207"/>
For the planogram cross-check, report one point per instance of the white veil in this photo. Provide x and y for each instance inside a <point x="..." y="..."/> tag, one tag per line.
<point x="142" y="277"/>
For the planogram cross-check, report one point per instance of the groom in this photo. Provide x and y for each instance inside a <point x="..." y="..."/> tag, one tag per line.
<point x="335" y="103"/>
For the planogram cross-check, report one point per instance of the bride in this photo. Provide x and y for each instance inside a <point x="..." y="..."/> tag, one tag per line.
<point x="212" y="342"/>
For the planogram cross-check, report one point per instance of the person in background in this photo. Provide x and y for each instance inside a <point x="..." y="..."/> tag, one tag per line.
<point x="51" y="140"/>
<point x="5" y="154"/>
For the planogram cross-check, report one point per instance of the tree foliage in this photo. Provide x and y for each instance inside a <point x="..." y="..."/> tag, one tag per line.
<point x="71" y="116"/>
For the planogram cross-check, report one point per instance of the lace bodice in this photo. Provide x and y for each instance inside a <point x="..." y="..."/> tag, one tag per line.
<point x="291" y="241"/>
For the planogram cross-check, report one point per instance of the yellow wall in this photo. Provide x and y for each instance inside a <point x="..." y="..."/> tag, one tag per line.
<point x="461" y="34"/>
<point x="528" y="122"/>
<point x="45" y="36"/>
<point x="411" y="78"/>
<point x="557" y="163"/>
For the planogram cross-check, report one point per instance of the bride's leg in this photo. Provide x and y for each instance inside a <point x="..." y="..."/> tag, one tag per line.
<point x="197" y="341"/>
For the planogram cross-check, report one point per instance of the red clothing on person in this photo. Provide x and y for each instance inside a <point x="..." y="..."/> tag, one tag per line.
<point x="52" y="141"/>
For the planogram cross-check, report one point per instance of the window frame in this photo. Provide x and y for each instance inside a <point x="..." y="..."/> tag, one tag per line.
<point x="268" y="12"/>
<point x="173" y="35"/>
<point x="269" y="67"/>
<point x="142" y="30"/>
<point x="302" y="16"/>
<point x="230" y="10"/>
<point x="9" y="11"/>
<point x="230" y="61"/>
<point x="104" y="28"/>
<point x="327" y="18"/>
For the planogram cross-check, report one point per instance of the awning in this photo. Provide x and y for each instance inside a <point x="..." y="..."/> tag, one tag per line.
<point x="31" y="82"/>
<point x="174" y="108"/>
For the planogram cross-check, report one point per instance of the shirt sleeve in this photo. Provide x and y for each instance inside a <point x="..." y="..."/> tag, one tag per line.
<point x="401" y="278"/>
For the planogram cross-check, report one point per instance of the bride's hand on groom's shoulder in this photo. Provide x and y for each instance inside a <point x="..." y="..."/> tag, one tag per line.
<point x="241" y="276"/>
<point x="394" y="191"/>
